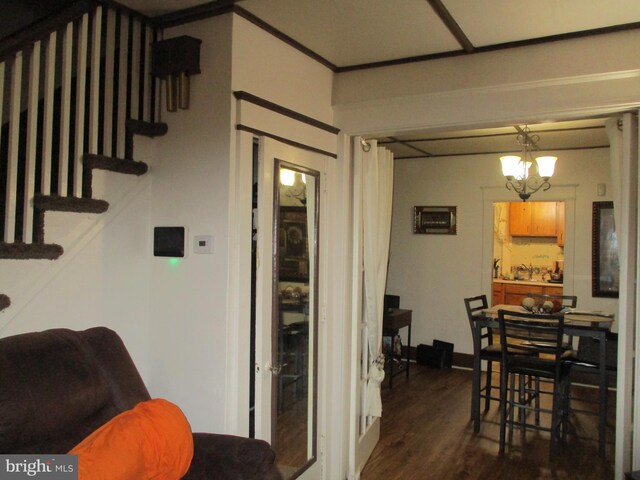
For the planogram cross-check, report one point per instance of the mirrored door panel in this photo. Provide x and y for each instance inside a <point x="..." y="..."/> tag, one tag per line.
<point x="295" y="329"/>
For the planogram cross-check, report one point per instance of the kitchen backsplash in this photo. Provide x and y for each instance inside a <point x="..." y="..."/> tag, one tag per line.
<point x="540" y="253"/>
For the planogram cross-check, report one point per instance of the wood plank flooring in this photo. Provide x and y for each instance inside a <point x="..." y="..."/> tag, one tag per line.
<point x="426" y="433"/>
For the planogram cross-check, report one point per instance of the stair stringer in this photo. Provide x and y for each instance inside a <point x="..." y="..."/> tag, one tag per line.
<point x="22" y="281"/>
<point x="24" y="287"/>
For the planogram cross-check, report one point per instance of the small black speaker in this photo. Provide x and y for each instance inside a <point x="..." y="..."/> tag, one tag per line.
<point x="430" y="356"/>
<point x="447" y="348"/>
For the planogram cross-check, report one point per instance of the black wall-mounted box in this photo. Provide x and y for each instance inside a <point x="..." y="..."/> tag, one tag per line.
<point x="168" y="242"/>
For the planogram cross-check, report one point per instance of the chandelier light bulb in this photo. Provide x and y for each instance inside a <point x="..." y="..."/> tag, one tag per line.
<point x="287" y="177"/>
<point x="546" y="166"/>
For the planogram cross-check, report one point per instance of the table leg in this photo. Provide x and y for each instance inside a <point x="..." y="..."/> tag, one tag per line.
<point x="408" y="349"/>
<point x="475" y="387"/>
<point x="602" y="404"/>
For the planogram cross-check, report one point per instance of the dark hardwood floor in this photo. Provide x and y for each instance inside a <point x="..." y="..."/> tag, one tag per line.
<point x="426" y="433"/>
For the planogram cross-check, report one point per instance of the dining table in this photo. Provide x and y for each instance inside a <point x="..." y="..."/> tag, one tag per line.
<point x="578" y="323"/>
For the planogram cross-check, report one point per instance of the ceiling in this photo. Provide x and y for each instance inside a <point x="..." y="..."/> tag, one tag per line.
<point x="350" y="34"/>
<point x="554" y="137"/>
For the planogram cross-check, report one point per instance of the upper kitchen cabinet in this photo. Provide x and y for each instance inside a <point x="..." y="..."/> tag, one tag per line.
<point x="533" y="219"/>
<point x="560" y="223"/>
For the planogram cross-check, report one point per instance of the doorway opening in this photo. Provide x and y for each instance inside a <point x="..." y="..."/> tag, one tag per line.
<point x="528" y="250"/>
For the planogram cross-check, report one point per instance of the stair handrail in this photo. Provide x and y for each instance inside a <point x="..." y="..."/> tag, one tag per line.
<point x="40" y="29"/>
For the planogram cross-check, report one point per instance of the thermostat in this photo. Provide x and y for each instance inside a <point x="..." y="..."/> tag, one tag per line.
<point x="203" y="244"/>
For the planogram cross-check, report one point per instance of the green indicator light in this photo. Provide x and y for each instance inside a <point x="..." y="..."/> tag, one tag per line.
<point x="174" y="262"/>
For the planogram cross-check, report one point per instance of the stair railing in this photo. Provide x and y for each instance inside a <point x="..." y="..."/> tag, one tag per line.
<point x="68" y="93"/>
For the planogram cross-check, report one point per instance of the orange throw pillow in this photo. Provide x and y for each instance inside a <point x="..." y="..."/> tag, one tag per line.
<point x="153" y="440"/>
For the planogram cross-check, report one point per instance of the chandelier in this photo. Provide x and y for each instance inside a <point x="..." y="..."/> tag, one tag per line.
<point x="517" y="169"/>
<point x="296" y="184"/>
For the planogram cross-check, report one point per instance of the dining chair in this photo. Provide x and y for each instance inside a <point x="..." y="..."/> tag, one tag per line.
<point x="532" y="346"/>
<point x="567" y="301"/>
<point x="483" y="348"/>
<point x="585" y="363"/>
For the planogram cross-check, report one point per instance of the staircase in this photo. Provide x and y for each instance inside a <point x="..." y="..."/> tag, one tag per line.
<point x="76" y="88"/>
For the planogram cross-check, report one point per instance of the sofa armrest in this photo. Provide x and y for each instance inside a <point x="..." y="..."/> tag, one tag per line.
<point x="228" y="457"/>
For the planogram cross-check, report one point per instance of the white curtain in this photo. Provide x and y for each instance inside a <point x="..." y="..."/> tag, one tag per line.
<point x="615" y="154"/>
<point x="377" y="196"/>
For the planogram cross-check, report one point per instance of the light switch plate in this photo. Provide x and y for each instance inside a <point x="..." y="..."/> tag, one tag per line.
<point x="203" y="244"/>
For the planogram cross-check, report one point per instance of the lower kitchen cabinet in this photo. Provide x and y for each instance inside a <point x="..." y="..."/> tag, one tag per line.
<point x="514" y="293"/>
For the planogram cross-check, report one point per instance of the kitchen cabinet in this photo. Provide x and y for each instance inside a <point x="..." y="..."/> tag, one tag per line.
<point x="520" y="218"/>
<point x="497" y="293"/>
<point x="560" y="223"/>
<point x="514" y="293"/>
<point x="533" y="219"/>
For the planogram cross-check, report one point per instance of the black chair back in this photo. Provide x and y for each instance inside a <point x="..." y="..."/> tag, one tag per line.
<point x="532" y="344"/>
<point x="474" y="306"/>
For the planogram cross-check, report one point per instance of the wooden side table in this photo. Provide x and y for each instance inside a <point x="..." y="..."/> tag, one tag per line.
<point x="392" y="322"/>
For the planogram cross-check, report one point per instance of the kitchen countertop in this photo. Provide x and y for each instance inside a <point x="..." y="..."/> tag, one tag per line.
<point x="528" y="282"/>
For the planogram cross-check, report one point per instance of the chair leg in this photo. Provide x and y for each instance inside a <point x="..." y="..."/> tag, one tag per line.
<point x="503" y="408"/>
<point x="512" y="405"/>
<point x="487" y="390"/>
<point x="555" y="421"/>
<point x="536" y="381"/>
<point x="522" y="399"/>
<point x="476" y="393"/>
<point x="566" y="409"/>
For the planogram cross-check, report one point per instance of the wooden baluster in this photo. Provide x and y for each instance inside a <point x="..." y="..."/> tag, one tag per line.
<point x="65" y="110"/>
<point x="122" y="85"/>
<point x="2" y="69"/>
<point x="81" y="78"/>
<point x="14" y="145"/>
<point x="94" y="91"/>
<point x="32" y="143"/>
<point x="146" y="92"/>
<point x="135" y="71"/>
<point x="47" y="122"/>
<point x="110" y="47"/>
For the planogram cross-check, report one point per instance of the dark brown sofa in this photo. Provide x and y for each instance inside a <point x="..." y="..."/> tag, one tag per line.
<point x="58" y="386"/>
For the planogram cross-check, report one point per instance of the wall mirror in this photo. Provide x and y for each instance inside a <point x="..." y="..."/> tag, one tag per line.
<point x="295" y="283"/>
<point x="604" y="262"/>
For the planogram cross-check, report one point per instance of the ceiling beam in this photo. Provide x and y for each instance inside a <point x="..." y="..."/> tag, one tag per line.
<point x="452" y="25"/>
<point x="495" y="152"/>
<point x="489" y="135"/>
<point x="408" y="145"/>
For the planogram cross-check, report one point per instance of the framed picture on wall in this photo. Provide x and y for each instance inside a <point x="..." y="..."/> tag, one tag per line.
<point x="293" y="242"/>
<point x="604" y="262"/>
<point x="435" y="220"/>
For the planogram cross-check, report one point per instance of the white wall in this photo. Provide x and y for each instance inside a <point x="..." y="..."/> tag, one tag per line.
<point x="433" y="273"/>
<point x="102" y="279"/>
<point x="190" y="188"/>
<point x="271" y="69"/>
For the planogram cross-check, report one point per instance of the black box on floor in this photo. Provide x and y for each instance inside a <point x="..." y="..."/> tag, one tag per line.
<point x="448" y="351"/>
<point x="430" y="356"/>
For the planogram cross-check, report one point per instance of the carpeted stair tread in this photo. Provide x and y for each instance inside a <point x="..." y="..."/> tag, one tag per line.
<point x="147" y="129"/>
<point x="69" y="204"/>
<point x="30" y="251"/>
<point x="4" y="301"/>
<point x="114" y="164"/>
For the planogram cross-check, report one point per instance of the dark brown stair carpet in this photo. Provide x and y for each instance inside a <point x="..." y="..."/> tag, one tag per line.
<point x="4" y="301"/>
<point x="30" y="251"/>
<point x="112" y="164"/>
